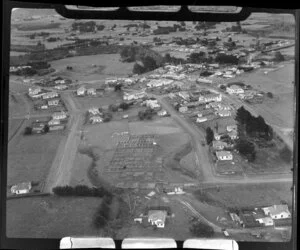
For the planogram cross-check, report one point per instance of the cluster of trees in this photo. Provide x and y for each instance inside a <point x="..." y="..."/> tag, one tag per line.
<point x="246" y="149"/>
<point x="226" y="59"/>
<point x="278" y="57"/>
<point x="199" y="57"/>
<point x="148" y="64"/>
<point x="165" y="30"/>
<point x="81" y="190"/>
<point x="286" y="154"/>
<point x="205" y="25"/>
<point x="147" y="114"/>
<point x="200" y="229"/>
<point x="253" y="126"/>
<point x="103" y="213"/>
<point x="107" y="117"/>
<point x="53" y="39"/>
<point x="173" y="60"/>
<point x="209" y="135"/>
<point x="115" y="107"/>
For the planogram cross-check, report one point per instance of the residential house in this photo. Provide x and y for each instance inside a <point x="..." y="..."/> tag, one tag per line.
<point x="50" y="95"/>
<point x="159" y="83"/>
<point x="201" y="119"/>
<point x="56" y="127"/>
<point x="54" y="122"/>
<point x="111" y="81"/>
<point x="157" y="217"/>
<point x="61" y="87"/>
<point x="162" y="113"/>
<point x="153" y="104"/>
<point x="184" y="95"/>
<point x="183" y="109"/>
<point x="34" y="91"/>
<point x="96" y="119"/>
<point x="21" y="188"/>
<point x="214" y="105"/>
<point x="266" y="221"/>
<point x="59" y="115"/>
<point x="233" y="134"/>
<point x="204" y="80"/>
<point x="43" y="106"/>
<point x="219" y="145"/>
<point x="224" y="155"/>
<point x="224" y="113"/>
<point x="223" y="106"/>
<point x="81" y="91"/>
<point x="60" y="81"/>
<point x="134" y="95"/>
<point x="53" y="102"/>
<point x="234" y="89"/>
<point x="38" y="128"/>
<point x="94" y="111"/>
<point x="230" y="128"/>
<point x="277" y="211"/>
<point x="91" y="91"/>
<point x="210" y="97"/>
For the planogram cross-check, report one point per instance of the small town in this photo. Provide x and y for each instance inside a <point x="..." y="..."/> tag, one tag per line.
<point x="165" y="129"/>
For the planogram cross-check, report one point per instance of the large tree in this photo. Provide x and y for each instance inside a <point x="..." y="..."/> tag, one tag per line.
<point x="209" y="135"/>
<point x="246" y="149"/>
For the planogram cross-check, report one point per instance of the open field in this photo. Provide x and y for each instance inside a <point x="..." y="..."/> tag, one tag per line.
<point x="30" y="157"/>
<point x="279" y="82"/>
<point x="249" y="195"/>
<point x="51" y="217"/>
<point x="107" y="65"/>
<point x="89" y="102"/>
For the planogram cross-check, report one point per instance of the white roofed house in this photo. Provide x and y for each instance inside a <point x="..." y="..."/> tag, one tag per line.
<point x="219" y="145"/>
<point x="128" y="96"/>
<point x="50" y="95"/>
<point x="224" y="155"/>
<point x="234" y="89"/>
<point x="53" y="102"/>
<point x="233" y="134"/>
<point x="61" y="87"/>
<point x="22" y="188"/>
<point x="183" y="109"/>
<point x="91" y="91"/>
<point x="94" y="111"/>
<point x="157" y="217"/>
<point x="59" y="115"/>
<point x="184" y="95"/>
<point x="224" y="113"/>
<point x="153" y="104"/>
<point x="223" y="106"/>
<point x="81" y="91"/>
<point x="210" y="98"/>
<point x="34" y="91"/>
<point x="96" y="119"/>
<point x="162" y="113"/>
<point x="229" y="128"/>
<point x="277" y="211"/>
<point x="201" y="119"/>
<point x="54" y="122"/>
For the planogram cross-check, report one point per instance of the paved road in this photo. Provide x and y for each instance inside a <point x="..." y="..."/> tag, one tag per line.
<point x="196" y="136"/>
<point x="202" y="159"/>
<point x="61" y="169"/>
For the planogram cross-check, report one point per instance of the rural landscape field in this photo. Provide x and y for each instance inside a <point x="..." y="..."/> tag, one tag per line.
<point x="151" y="128"/>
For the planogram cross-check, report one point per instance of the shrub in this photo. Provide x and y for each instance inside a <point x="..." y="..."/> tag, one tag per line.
<point x="28" y="131"/>
<point x="286" y="154"/>
<point x="200" y="229"/>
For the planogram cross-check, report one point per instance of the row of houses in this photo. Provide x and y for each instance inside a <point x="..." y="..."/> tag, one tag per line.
<point x="264" y="216"/>
<point x="82" y="91"/>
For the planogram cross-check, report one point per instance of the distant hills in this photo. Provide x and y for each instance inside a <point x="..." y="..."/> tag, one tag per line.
<point x="27" y="13"/>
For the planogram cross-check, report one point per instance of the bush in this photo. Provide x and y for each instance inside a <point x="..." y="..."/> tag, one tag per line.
<point x="286" y="154"/>
<point x="226" y="59"/>
<point x="81" y="190"/>
<point x="124" y="106"/>
<point x="270" y="95"/>
<point x="278" y="57"/>
<point x="200" y="229"/>
<point x="28" y="131"/>
<point x="209" y="135"/>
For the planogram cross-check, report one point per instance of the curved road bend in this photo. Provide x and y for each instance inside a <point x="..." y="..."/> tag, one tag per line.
<point x="196" y="137"/>
<point x="203" y="159"/>
<point x="60" y="171"/>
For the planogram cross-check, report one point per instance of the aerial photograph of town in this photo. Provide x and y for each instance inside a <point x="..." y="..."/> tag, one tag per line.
<point x="133" y="128"/>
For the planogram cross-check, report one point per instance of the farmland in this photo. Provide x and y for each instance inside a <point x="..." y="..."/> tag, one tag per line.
<point x="51" y="217"/>
<point x="30" y="157"/>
